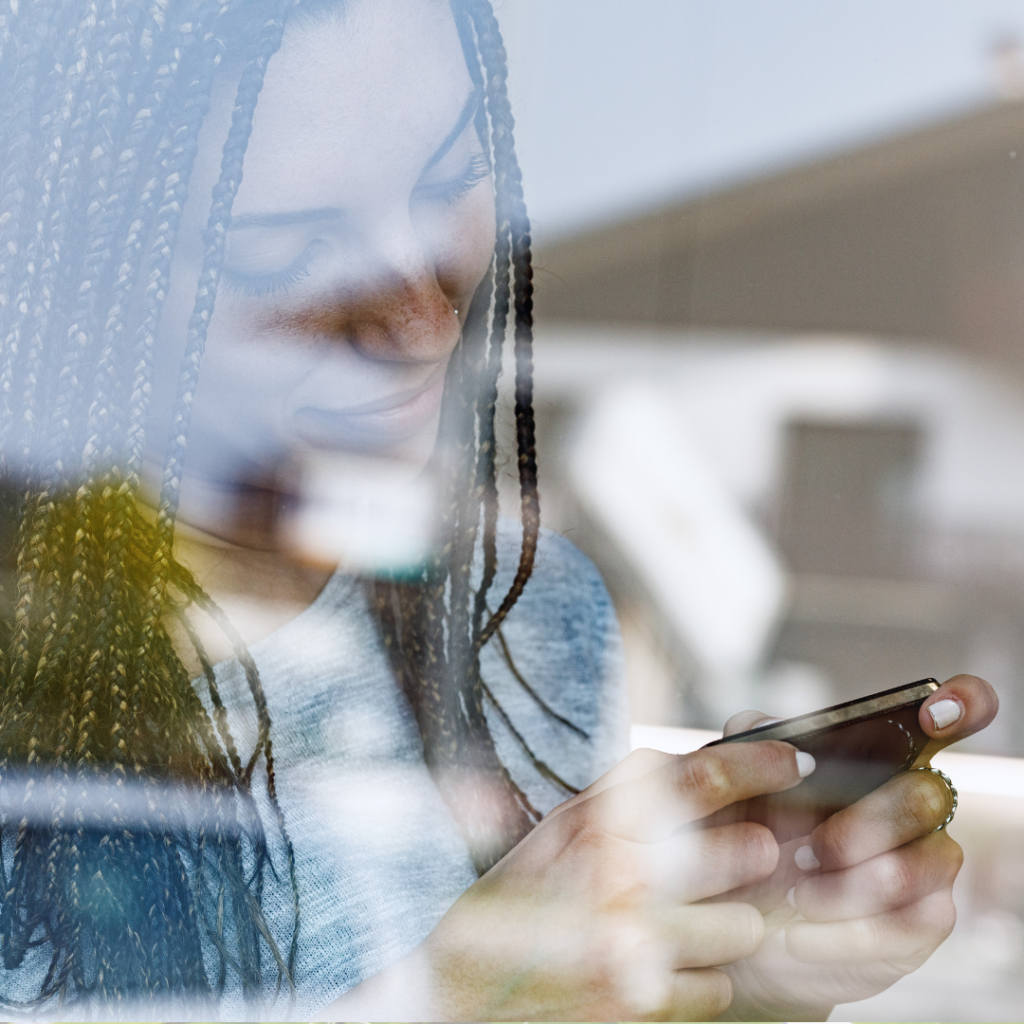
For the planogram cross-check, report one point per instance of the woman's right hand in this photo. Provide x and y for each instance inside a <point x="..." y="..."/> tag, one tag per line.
<point x="593" y="915"/>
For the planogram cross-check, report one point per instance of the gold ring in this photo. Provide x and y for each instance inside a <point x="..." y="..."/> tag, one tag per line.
<point x="952" y="790"/>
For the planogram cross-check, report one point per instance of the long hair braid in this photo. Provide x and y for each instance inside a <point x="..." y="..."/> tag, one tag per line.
<point x="434" y="627"/>
<point x="104" y="102"/>
<point x="100" y="147"/>
<point x="509" y="188"/>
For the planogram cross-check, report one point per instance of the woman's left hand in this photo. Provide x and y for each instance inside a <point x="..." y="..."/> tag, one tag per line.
<point x="871" y="899"/>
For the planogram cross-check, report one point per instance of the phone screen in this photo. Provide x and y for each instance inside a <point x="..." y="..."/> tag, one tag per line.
<point x="857" y="746"/>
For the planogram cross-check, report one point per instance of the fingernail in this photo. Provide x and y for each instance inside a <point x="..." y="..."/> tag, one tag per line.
<point x="805" y="859"/>
<point x="804" y="763"/>
<point x="945" y="712"/>
<point x="791" y="895"/>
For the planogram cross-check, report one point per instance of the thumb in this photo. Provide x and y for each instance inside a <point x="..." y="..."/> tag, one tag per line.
<point x="960" y="707"/>
<point x="744" y="720"/>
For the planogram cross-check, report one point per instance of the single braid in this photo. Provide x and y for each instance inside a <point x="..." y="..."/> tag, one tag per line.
<point x="215" y="240"/>
<point x="509" y="189"/>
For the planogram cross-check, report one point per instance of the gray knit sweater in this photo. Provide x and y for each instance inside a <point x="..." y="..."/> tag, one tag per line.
<point x="379" y="857"/>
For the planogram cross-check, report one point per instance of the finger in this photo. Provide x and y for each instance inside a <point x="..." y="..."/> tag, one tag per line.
<point x="707" y="862"/>
<point x="634" y="766"/>
<point x="960" y="707"/>
<point x="744" y="720"/>
<point x="907" y="807"/>
<point x="769" y="893"/>
<point x="891" y="880"/>
<point x="909" y="934"/>
<point x="712" y="934"/>
<point x="702" y="994"/>
<point x="691" y="786"/>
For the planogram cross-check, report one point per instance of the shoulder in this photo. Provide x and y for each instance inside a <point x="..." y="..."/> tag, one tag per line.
<point x="565" y="602"/>
<point x="563" y="641"/>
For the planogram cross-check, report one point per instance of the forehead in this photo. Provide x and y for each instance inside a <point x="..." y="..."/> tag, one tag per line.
<point x="356" y="97"/>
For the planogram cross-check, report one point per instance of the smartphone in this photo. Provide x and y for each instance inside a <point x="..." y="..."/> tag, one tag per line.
<point x="857" y="746"/>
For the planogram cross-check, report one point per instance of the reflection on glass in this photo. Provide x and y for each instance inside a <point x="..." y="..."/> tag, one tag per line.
<point x="302" y="713"/>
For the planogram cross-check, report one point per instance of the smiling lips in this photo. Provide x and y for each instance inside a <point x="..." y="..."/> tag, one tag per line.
<point x="372" y="425"/>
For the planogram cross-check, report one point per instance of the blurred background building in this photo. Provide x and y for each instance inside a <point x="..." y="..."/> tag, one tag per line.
<point x="780" y="373"/>
<point x="834" y="353"/>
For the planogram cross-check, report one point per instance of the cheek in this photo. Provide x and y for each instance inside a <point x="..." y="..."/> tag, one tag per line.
<point x="463" y="245"/>
<point x="248" y="372"/>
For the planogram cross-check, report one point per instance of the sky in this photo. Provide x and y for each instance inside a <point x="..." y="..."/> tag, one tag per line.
<point x="621" y="104"/>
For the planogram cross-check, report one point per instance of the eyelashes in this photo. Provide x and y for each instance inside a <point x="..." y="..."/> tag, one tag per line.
<point x="256" y="285"/>
<point x="451" y="192"/>
<point x="268" y="284"/>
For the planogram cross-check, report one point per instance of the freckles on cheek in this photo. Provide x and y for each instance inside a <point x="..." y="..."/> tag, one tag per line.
<point x="276" y="333"/>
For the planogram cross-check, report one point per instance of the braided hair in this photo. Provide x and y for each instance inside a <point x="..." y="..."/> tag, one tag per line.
<point x="435" y="627"/>
<point x="104" y="101"/>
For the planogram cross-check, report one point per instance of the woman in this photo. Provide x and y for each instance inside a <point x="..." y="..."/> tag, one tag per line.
<point x="305" y="820"/>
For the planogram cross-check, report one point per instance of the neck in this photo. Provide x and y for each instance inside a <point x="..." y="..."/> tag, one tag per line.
<point x="260" y="590"/>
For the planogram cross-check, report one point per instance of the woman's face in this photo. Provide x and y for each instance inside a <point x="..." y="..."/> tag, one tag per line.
<point x="362" y="226"/>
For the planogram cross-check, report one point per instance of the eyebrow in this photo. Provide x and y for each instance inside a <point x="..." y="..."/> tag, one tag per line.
<point x="287" y="218"/>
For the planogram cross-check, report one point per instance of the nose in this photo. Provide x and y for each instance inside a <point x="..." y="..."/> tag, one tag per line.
<point x="395" y="309"/>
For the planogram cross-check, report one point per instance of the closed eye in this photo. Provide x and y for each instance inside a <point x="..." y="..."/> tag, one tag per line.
<point x="256" y="285"/>
<point x="452" y="191"/>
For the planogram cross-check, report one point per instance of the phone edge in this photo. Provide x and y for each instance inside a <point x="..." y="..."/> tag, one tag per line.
<point x="837" y="715"/>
